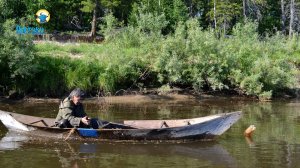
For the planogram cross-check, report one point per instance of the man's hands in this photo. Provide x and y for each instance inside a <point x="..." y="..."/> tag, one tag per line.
<point x="85" y="120"/>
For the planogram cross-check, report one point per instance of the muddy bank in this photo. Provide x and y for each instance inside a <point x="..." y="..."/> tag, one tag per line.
<point x="153" y="98"/>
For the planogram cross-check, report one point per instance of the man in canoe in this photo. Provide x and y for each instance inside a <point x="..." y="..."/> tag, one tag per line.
<point x="71" y="112"/>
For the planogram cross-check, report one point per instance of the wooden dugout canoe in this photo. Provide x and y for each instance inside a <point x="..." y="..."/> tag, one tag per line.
<point x="202" y="128"/>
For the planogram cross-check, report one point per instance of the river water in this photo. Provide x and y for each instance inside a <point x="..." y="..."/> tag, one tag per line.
<point x="275" y="143"/>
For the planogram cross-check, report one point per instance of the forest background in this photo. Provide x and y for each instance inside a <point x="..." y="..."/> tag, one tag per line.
<point x="244" y="47"/>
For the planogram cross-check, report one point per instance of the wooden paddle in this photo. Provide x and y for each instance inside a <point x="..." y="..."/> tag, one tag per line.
<point x="70" y="133"/>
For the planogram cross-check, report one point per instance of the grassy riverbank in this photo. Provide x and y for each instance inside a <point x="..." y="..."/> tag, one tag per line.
<point x="136" y="58"/>
<point x="191" y="58"/>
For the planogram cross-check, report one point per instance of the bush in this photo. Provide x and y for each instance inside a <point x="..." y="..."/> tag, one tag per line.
<point x="257" y="67"/>
<point x="260" y="67"/>
<point x="16" y="58"/>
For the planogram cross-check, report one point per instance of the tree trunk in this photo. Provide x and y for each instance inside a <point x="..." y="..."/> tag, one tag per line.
<point x="94" y="21"/>
<point x="215" y="19"/>
<point x="283" y="18"/>
<point x="224" y="27"/>
<point x="191" y="8"/>
<point x="244" y="9"/>
<point x="292" y="10"/>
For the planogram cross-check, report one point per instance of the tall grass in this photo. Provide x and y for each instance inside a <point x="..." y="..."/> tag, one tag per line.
<point x="95" y="68"/>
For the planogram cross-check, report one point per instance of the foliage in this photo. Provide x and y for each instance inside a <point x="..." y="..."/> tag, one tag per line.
<point x="109" y="26"/>
<point x="76" y="15"/>
<point x="88" y="5"/>
<point x="160" y="44"/>
<point x="225" y="14"/>
<point x="137" y="57"/>
<point x="16" y="58"/>
<point x="164" y="90"/>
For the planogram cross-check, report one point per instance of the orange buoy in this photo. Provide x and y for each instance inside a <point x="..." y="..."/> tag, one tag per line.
<point x="248" y="132"/>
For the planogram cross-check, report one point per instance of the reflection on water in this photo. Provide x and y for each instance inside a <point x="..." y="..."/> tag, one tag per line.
<point x="70" y="154"/>
<point x="12" y="140"/>
<point x="275" y="142"/>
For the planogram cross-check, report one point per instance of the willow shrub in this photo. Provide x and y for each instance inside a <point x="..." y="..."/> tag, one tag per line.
<point x="16" y="58"/>
<point x="259" y="66"/>
<point x="243" y="61"/>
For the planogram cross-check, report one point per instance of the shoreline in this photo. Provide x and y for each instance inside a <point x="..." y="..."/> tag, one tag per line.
<point x="153" y="95"/>
<point x="140" y="98"/>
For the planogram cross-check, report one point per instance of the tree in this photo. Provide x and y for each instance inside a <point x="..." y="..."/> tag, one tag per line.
<point x="10" y="9"/>
<point x="292" y="11"/>
<point x="180" y="12"/>
<point x="215" y="15"/>
<point x="93" y="6"/>
<point x="223" y="14"/>
<point x="252" y="8"/>
<point x="283" y="17"/>
<point x="62" y="14"/>
<point x="123" y="10"/>
<point x="244" y="9"/>
<point x="267" y="13"/>
<point x="175" y="11"/>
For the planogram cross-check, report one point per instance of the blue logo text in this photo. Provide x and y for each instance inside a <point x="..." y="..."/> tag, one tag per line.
<point x="30" y="30"/>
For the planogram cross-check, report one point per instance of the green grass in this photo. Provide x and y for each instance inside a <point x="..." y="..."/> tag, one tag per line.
<point x="68" y="49"/>
<point x="99" y="67"/>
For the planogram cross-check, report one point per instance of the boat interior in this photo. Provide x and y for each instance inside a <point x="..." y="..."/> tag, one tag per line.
<point x="127" y="124"/>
